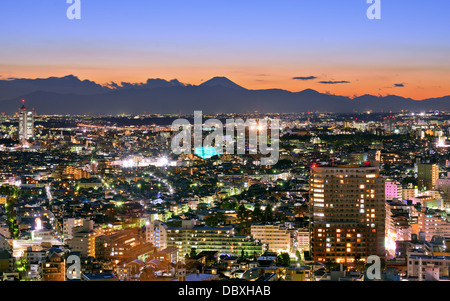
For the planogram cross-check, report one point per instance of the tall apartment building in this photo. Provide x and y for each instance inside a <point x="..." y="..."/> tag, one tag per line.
<point x="83" y="239"/>
<point x="428" y="174"/>
<point x="276" y="237"/>
<point x="201" y="238"/>
<point x="348" y="213"/>
<point x="400" y="223"/>
<point x="156" y="234"/>
<point x="26" y="123"/>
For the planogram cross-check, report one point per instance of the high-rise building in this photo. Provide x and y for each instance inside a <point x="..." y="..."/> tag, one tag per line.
<point x="390" y="124"/>
<point x="26" y="123"/>
<point x="428" y="174"/>
<point x="348" y="213"/>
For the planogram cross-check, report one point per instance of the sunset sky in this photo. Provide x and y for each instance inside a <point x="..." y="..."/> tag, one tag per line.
<point x="258" y="44"/>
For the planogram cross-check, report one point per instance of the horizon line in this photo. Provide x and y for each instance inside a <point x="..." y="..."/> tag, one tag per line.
<point x="109" y="84"/>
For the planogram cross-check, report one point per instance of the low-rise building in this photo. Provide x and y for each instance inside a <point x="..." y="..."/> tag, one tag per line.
<point x="276" y="237"/>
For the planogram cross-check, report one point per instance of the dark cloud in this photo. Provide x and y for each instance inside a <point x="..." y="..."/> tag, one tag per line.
<point x="305" y="77"/>
<point x="332" y="82"/>
<point x="151" y="83"/>
<point x="399" y="85"/>
<point x="113" y="85"/>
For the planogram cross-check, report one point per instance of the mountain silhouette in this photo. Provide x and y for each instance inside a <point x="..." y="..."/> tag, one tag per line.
<point x="68" y="84"/>
<point x="70" y="95"/>
<point x="221" y="82"/>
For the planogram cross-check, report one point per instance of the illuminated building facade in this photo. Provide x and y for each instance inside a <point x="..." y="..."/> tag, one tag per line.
<point x="348" y="213"/>
<point x="433" y="223"/>
<point x="428" y="174"/>
<point x="75" y="173"/>
<point x="276" y="237"/>
<point x="202" y="238"/>
<point x="83" y="239"/>
<point x="302" y="240"/>
<point x="205" y="152"/>
<point x="409" y="192"/>
<point x="428" y="267"/>
<point x="156" y="234"/>
<point x="69" y="224"/>
<point x="393" y="190"/>
<point x="26" y="123"/>
<point x="54" y="269"/>
<point x="444" y="184"/>
<point x="123" y="245"/>
<point x="400" y="218"/>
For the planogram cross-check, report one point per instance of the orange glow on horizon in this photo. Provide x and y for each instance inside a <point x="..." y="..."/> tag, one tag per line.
<point x="418" y="84"/>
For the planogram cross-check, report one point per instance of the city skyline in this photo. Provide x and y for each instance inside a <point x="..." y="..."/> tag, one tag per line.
<point x="227" y="143"/>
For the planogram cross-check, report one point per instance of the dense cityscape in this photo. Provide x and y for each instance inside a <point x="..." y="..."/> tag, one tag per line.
<point x="207" y="149"/>
<point x="105" y="198"/>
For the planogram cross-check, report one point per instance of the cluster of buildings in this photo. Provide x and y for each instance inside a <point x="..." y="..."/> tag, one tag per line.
<point x="104" y="198"/>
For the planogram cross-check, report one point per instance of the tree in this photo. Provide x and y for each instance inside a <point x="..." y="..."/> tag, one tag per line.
<point x="330" y="265"/>
<point x="228" y="204"/>
<point x="242" y="214"/>
<point x="242" y="254"/>
<point x="11" y="202"/>
<point x="359" y="264"/>
<point x="193" y="253"/>
<point x="22" y="265"/>
<point x="214" y="219"/>
<point x="299" y="257"/>
<point x="257" y="213"/>
<point x="268" y="213"/>
<point x="284" y="260"/>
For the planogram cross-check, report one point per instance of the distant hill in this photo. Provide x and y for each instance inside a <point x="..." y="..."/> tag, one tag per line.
<point x="221" y="82"/>
<point x="70" y="95"/>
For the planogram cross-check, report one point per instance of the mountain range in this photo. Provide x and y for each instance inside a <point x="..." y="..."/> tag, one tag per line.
<point x="70" y="95"/>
